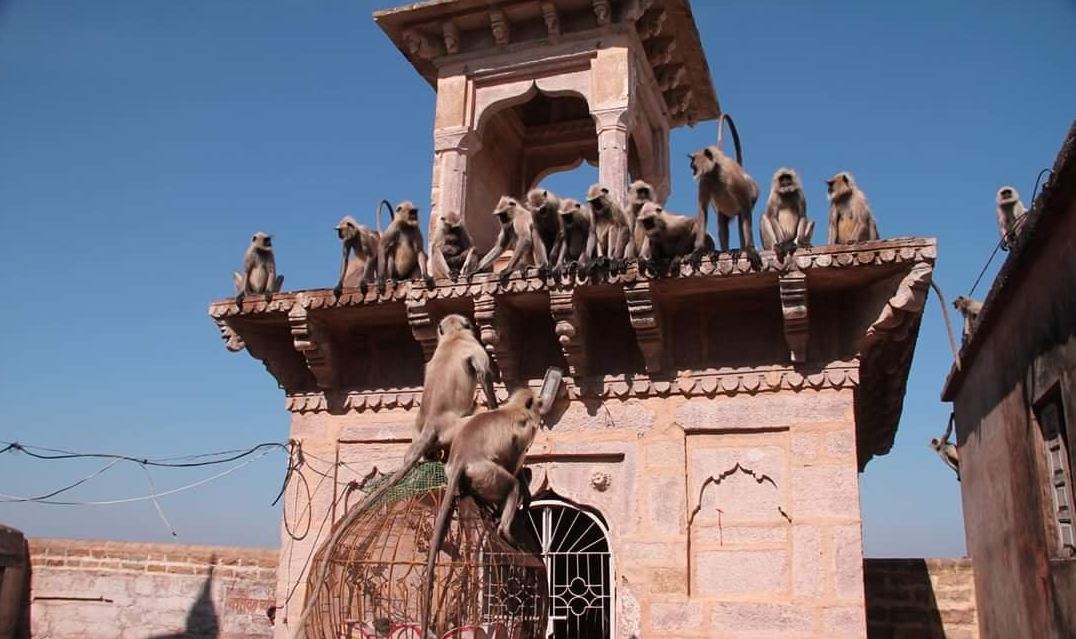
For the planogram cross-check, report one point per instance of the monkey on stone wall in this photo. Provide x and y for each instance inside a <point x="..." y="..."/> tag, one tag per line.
<point x="669" y="237"/>
<point x="1011" y="213"/>
<point x="850" y="218"/>
<point x="639" y="193"/>
<point x="577" y="248"/>
<point x="259" y="270"/>
<point x="518" y="233"/>
<point x="784" y="226"/>
<point x="610" y="226"/>
<point x="727" y="187"/>
<point x="544" y="206"/>
<point x="402" y="254"/>
<point x="451" y="250"/>
<point x="970" y="309"/>
<point x="361" y="269"/>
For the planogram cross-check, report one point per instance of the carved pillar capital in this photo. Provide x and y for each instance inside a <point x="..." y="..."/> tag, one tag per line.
<point x="460" y="139"/>
<point x="646" y="323"/>
<point x="794" y="309"/>
<point x="611" y="119"/>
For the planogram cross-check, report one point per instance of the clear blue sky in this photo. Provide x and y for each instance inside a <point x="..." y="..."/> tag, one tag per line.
<point x="142" y="142"/>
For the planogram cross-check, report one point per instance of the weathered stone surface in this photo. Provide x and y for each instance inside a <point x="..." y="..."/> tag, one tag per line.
<point x="848" y="561"/>
<point x="741" y="572"/>
<point x="766" y="410"/>
<point x="755" y="619"/>
<point x="748" y="482"/>
<point x="808" y="573"/>
<point x="628" y="416"/>
<point x="149" y="590"/>
<point x="676" y="616"/>
<point x="825" y="491"/>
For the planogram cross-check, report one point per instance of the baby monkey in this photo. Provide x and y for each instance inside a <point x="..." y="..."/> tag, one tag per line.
<point x="451" y="250"/>
<point x="259" y="270"/>
<point x="784" y="226"/>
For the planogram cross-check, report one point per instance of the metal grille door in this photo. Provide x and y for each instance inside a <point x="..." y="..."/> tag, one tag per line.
<point x="575" y="548"/>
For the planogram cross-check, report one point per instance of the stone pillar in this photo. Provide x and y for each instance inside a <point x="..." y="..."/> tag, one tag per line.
<point x="451" y="150"/>
<point x="612" y="125"/>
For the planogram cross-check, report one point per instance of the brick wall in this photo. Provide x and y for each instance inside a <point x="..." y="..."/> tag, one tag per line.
<point x="121" y="590"/>
<point x="920" y="599"/>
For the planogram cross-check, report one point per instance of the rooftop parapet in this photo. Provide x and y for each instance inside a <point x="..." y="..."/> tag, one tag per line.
<point x="833" y="317"/>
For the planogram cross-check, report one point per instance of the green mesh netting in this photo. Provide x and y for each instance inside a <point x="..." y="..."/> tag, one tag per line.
<point x="423" y="477"/>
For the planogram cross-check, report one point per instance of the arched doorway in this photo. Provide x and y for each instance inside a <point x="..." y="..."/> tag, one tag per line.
<point x="579" y="564"/>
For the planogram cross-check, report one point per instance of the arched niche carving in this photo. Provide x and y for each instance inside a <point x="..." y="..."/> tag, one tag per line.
<point x="491" y="99"/>
<point x="528" y="133"/>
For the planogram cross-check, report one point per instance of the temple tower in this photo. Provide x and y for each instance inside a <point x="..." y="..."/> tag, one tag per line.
<point x="699" y="477"/>
<point x="526" y="89"/>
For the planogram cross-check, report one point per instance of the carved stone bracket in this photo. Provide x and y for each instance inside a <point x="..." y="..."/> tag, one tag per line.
<point x="644" y="319"/>
<point x="651" y="23"/>
<point x="451" y="34"/>
<point x="233" y="341"/>
<point x="602" y="12"/>
<point x="423" y="327"/>
<point x="568" y="325"/>
<point x="494" y="331"/>
<point x="907" y="302"/>
<point x="312" y="340"/>
<point x="551" y="19"/>
<point x="794" y="308"/>
<point x="499" y="25"/>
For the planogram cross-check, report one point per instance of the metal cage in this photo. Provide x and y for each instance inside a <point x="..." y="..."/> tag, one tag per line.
<point x="483" y="587"/>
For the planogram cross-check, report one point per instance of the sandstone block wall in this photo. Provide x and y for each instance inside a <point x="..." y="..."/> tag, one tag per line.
<point x="920" y="599"/>
<point x="122" y="590"/>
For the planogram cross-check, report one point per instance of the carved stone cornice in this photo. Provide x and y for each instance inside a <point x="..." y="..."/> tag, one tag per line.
<point x="312" y="340"/>
<point x="645" y="323"/>
<point x="569" y="326"/>
<point x="702" y="383"/>
<point x="886" y="350"/>
<point x="793" y="287"/>
<point x="878" y="253"/>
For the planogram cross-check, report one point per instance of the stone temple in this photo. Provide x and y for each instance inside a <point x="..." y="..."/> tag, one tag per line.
<point x="706" y="462"/>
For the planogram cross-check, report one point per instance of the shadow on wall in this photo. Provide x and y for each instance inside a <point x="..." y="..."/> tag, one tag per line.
<point x="202" y="622"/>
<point x="901" y="600"/>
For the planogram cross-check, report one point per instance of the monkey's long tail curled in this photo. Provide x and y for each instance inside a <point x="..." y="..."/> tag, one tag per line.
<point x="721" y="120"/>
<point x="383" y="204"/>
<point x="948" y="323"/>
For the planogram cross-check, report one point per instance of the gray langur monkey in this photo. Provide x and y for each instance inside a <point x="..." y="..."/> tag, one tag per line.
<point x="946" y="450"/>
<point x="725" y="185"/>
<point x="850" y="218"/>
<point x="451" y="250"/>
<point x="259" y="270"/>
<point x="519" y="233"/>
<point x="669" y="237"/>
<point x="401" y="253"/>
<point x="784" y="226"/>
<point x="970" y="309"/>
<point x="485" y="462"/>
<point x="448" y="394"/>
<point x="579" y="237"/>
<point x="639" y="193"/>
<point x="611" y="226"/>
<point x="544" y="206"/>
<point x="358" y="264"/>
<point x="1011" y="213"/>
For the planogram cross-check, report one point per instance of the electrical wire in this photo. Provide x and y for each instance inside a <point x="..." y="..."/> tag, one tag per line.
<point x="55" y="453"/>
<point x="128" y="500"/>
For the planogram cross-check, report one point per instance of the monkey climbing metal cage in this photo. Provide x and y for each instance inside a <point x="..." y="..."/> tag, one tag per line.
<point x="483" y="587"/>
